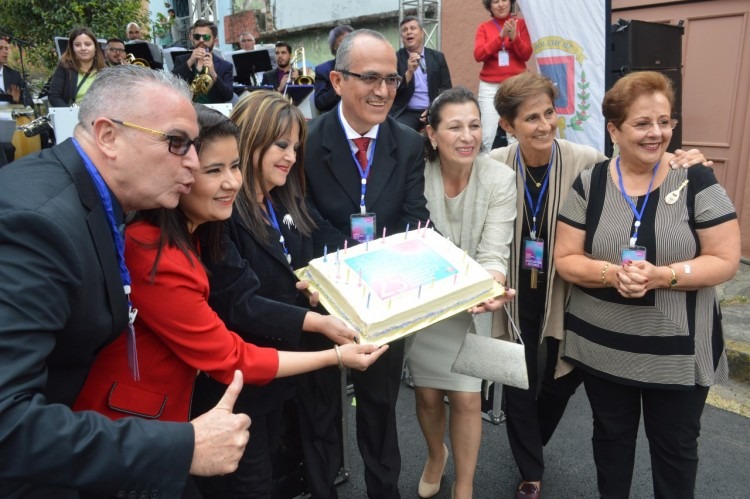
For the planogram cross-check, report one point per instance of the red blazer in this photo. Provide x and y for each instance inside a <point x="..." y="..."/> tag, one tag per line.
<point x="177" y="336"/>
<point x="488" y="43"/>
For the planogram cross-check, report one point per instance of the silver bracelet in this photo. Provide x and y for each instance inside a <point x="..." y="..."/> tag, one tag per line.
<point x="338" y="355"/>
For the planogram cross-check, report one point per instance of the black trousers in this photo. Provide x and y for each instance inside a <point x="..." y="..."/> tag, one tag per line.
<point x="672" y="423"/>
<point x="533" y="415"/>
<point x="377" y="392"/>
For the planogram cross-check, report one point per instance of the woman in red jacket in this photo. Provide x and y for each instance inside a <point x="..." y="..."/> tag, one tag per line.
<point x="503" y="46"/>
<point x="150" y="373"/>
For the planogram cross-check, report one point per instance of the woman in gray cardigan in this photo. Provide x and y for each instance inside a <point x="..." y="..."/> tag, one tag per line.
<point x="472" y="201"/>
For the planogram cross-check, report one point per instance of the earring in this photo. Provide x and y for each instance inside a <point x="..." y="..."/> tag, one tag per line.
<point x="434" y="146"/>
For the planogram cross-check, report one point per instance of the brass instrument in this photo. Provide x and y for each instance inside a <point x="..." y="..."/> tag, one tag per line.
<point x="202" y="82"/>
<point x="306" y="75"/>
<point x="136" y="61"/>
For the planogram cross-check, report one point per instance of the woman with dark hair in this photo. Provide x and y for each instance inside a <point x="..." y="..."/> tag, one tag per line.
<point x="150" y="371"/>
<point x="545" y="168"/>
<point x="644" y="247"/>
<point x="503" y="46"/>
<point x="77" y="68"/>
<point x="472" y="201"/>
<point x="254" y="289"/>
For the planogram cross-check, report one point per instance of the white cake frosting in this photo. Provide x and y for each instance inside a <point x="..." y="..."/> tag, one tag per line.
<point x="390" y="287"/>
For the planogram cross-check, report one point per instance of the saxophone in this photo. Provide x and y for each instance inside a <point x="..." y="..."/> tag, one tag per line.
<point x="202" y="82"/>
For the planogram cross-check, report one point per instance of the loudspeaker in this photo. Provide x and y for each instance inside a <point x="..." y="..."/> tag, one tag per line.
<point x="644" y="45"/>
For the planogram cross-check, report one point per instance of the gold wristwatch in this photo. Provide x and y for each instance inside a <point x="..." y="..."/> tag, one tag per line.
<point x="673" y="280"/>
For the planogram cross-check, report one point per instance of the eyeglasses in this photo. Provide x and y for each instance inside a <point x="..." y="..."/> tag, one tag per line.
<point x="115" y="50"/>
<point x="373" y="79"/>
<point x="663" y="124"/>
<point x="206" y="37"/>
<point x="177" y="145"/>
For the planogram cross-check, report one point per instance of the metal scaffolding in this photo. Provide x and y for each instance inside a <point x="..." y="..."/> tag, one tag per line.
<point x="428" y="12"/>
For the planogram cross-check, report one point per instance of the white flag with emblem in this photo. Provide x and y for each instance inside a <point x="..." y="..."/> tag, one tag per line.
<point x="569" y="41"/>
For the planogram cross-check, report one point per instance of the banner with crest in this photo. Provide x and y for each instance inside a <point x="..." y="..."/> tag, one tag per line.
<point x="569" y="40"/>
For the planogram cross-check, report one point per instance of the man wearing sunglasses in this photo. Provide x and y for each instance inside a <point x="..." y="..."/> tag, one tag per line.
<point x="188" y="67"/>
<point x="375" y="184"/>
<point x="64" y="295"/>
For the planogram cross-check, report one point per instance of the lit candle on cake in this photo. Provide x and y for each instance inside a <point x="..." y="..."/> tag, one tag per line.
<point x="346" y="244"/>
<point x="406" y="234"/>
<point x="383" y="235"/>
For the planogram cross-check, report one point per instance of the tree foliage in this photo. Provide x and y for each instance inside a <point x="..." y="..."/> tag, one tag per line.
<point x="39" y="21"/>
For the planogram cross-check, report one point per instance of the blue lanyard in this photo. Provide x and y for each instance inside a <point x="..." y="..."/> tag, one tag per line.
<point x="534" y="208"/>
<point x="363" y="172"/>
<point x="103" y="191"/>
<point x="638" y="214"/>
<point x="275" y="224"/>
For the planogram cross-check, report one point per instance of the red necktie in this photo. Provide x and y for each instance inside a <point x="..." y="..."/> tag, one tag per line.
<point x="362" y="143"/>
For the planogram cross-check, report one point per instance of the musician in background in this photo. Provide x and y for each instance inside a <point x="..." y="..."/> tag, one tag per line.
<point x="115" y="52"/>
<point x="11" y="82"/>
<point x="326" y="97"/>
<point x="203" y="60"/>
<point x="247" y="41"/>
<point x="278" y="77"/>
<point x="425" y="74"/>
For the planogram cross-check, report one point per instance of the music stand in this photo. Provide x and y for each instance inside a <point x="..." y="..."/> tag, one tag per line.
<point x="249" y="63"/>
<point x="298" y="93"/>
<point x="171" y="54"/>
<point x="142" y="50"/>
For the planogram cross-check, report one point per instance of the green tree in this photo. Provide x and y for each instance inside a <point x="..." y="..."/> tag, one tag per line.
<point x="39" y="21"/>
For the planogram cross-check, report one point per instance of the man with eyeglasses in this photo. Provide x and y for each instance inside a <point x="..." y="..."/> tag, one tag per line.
<point x="425" y="73"/>
<point x="64" y="295"/>
<point x="115" y="53"/>
<point x="365" y="173"/>
<point x="202" y="59"/>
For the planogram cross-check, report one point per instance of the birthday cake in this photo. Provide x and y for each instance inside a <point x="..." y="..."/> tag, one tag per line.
<point x="393" y="286"/>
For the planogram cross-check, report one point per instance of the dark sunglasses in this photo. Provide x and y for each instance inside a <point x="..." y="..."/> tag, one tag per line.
<point x="206" y="37"/>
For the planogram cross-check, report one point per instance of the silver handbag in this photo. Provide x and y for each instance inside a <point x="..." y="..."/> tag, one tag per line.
<point x="493" y="359"/>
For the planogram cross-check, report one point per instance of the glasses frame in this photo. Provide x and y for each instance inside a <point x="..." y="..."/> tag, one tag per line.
<point x="638" y="128"/>
<point x="114" y="49"/>
<point x="380" y="79"/>
<point x="198" y="37"/>
<point x="174" y="140"/>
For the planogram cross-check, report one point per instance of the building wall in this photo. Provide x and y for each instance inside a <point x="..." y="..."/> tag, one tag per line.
<point x="289" y="15"/>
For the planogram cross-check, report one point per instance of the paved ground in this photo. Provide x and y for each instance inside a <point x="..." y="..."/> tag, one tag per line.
<point x="724" y="444"/>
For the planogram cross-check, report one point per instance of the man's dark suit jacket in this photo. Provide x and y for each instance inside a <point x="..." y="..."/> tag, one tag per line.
<point x="395" y="187"/>
<point x="61" y="301"/>
<point x="271" y="78"/>
<point x="438" y="78"/>
<point x="326" y="97"/>
<point x="13" y="77"/>
<point x="223" y="87"/>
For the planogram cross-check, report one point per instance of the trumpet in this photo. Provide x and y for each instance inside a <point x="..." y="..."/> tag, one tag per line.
<point x="202" y="82"/>
<point x="306" y="75"/>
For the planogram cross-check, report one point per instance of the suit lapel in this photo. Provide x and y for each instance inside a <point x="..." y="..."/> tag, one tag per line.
<point x="383" y="165"/>
<point x="98" y="228"/>
<point x="338" y="156"/>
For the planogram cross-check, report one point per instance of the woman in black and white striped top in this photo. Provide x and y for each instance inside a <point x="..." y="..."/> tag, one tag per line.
<point x="644" y="246"/>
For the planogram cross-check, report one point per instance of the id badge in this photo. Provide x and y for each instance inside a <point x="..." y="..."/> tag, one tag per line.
<point x="533" y="254"/>
<point x="634" y="254"/>
<point x="503" y="58"/>
<point x="363" y="226"/>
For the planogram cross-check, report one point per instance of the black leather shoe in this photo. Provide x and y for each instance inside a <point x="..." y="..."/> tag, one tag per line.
<point x="528" y="490"/>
